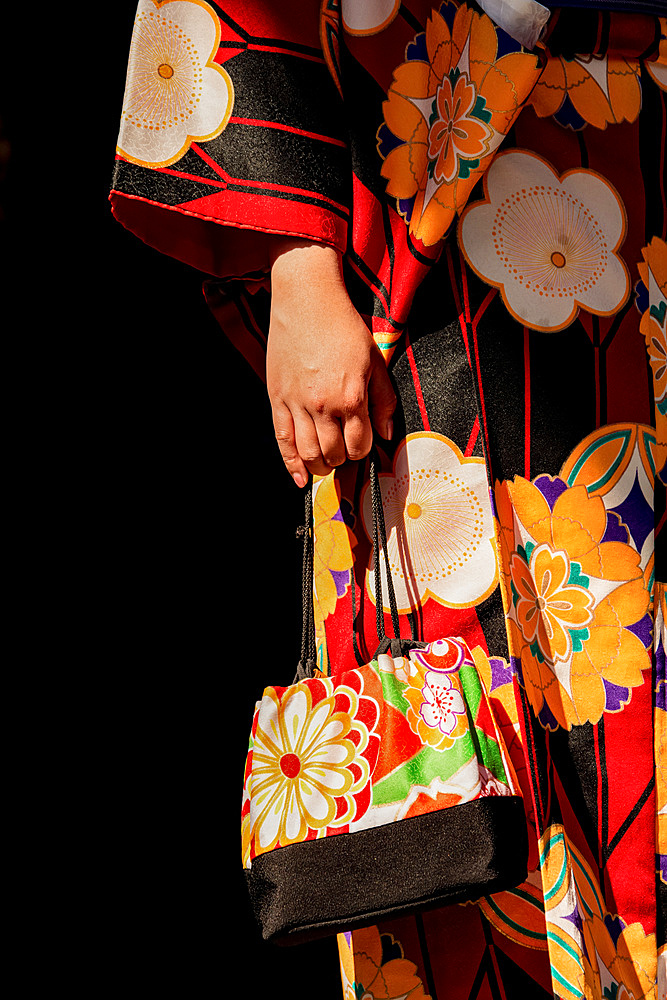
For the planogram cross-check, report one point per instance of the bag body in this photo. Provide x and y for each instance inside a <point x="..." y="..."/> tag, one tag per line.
<point x="378" y="791"/>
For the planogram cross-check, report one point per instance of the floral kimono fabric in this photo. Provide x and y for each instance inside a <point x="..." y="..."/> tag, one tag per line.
<point x="521" y="500"/>
<point x="502" y="216"/>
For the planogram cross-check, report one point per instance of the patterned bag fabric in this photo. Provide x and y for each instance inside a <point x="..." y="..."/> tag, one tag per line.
<point x="380" y="790"/>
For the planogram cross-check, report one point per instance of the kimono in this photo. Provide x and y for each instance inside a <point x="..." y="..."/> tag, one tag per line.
<point x="496" y="185"/>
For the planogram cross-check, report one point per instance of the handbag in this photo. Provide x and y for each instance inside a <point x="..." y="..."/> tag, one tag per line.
<point x="377" y="791"/>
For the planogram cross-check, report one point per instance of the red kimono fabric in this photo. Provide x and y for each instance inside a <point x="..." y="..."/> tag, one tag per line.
<point x="502" y="215"/>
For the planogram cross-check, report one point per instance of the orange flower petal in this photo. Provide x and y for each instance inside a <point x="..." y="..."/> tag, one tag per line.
<point x="531" y="509"/>
<point x="589" y="697"/>
<point x="403" y="118"/>
<point x="551" y="571"/>
<point x="612" y="561"/>
<point x="401" y="979"/>
<point x="404" y="167"/>
<point x="549" y="92"/>
<point x="625" y="605"/>
<point x="411" y="80"/>
<point x="614" y="653"/>
<point x="624" y="89"/>
<point x="464" y="26"/>
<point x="578" y="521"/>
<point x="367" y="945"/>
<point x="483" y="44"/>
<point x="432" y="224"/>
<point x="438" y="44"/>
<point x="504" y="87"/>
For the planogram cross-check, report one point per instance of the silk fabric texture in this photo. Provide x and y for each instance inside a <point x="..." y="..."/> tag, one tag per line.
<point x="502" y="215"/>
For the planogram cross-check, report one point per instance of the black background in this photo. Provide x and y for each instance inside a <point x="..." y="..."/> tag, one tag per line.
<point x="156" y="584"/>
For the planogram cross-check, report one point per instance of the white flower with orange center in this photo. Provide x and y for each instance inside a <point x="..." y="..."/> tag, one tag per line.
<point x="174" y="94"/>
<point x="307" y="764"/>
<point x="548" y="243"/>
<point x="439" y="525"/>
<point x="548" y="605"/>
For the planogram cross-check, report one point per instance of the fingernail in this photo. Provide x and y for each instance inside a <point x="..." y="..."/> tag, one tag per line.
<point x="299" y="480"/>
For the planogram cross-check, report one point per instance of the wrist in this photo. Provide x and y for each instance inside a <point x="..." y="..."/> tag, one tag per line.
<point x="304" y="260"/>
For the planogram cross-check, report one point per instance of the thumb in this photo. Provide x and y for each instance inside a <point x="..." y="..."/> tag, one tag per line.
<point x="381" y="398"/>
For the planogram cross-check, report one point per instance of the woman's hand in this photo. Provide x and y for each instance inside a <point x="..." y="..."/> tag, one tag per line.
<point x="327" y="381"/>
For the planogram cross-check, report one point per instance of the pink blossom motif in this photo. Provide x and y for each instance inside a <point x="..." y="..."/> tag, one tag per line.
<point x="442" y="702"/>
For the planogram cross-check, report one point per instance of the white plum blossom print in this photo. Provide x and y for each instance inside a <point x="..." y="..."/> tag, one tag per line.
<point x="439" y="526"/>
<point x="174" y="94"/>
<point x="549" y="243"/>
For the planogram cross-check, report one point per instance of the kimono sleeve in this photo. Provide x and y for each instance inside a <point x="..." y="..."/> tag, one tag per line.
<point x="231" y="127"/>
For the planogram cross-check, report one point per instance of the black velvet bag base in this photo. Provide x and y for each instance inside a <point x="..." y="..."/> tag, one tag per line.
<point x="319" y="887"/>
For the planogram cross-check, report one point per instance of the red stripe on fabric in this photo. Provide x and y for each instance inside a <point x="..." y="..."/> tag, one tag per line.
<point x="183" y="230"/>
<point x="529" y="744"/>
<point x="264" y="185"/>
<point x="478" y="366"/>
<point x="374" y="286"/>
<point x="452" y="280"/>
<point x="287" y="128"/>
<point x="472" y="440"/>
<point x="417" y="383"/>
<point x="661" y="524"/>
<point x="526" y="402"/>
<point x="211" y="162"/>
<point x="485" y="304"/>
<point x="464" y="288"/>
<point x="457" y="301"/>
<point x="499" y="979"/>
<point x="193" y="177"/>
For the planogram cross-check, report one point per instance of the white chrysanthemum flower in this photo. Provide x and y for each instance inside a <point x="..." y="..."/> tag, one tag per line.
<point x="174" y="93"/>
<point x="439" y="525"/>
<point x="548" y="243"/>
<point x="305" y="764"/>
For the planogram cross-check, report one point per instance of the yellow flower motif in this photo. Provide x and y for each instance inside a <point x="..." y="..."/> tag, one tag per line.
<point x="548" y="606"/>
<point x="333" y="546"/>
<point x="449" y="113"/>
<point x="569" y="632"/>
<point x="367" y="977"/>
<point x="301" y="764"/>
<point x="175" y="94"/>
